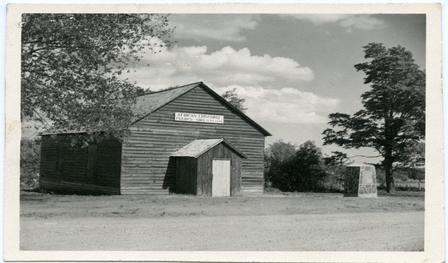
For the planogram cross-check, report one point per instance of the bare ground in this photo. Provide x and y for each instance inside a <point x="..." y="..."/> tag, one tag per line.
<point x="272" y="222"/>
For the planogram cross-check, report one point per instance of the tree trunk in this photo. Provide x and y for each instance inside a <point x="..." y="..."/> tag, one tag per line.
<point x="389" y="176"/>
<point x="389" y="135"/>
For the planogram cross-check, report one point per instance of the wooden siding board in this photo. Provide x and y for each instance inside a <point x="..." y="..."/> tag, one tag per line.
<point x="235" y="183"/>
<point x="95" y="168"/>
<point x="204" y="174"/>
<point x="186" y="173"/>
<point x="222" y="152"/>
<point x="147" y="150"/>
<point x="108" y="164"/>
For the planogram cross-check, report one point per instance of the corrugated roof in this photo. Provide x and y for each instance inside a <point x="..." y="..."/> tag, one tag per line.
<point x="147" y="104"/>
<point x="198" y="147"/>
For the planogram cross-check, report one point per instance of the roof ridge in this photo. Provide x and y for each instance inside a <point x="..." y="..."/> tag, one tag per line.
<point x="170" y="88"/>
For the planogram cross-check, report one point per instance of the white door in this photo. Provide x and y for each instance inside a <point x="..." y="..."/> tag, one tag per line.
<point x="221" y="178"/>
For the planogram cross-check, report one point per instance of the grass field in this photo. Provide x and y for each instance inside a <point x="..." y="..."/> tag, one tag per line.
<point x="272" y="222"/>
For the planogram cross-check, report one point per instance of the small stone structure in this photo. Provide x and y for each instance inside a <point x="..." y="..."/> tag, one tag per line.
<point x="360" y="181"/>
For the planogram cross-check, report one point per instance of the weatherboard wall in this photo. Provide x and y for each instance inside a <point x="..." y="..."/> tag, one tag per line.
<point x="94" y="169"/>
<point x="146" y="165"/>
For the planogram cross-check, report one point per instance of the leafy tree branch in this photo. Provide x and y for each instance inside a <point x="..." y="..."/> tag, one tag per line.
<point x="71" y="63"/>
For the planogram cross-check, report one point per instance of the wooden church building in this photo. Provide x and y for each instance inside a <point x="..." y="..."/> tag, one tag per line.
<point x="188" y="140"/>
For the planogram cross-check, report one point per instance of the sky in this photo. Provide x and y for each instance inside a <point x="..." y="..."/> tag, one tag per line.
<point x="292" y="70"/>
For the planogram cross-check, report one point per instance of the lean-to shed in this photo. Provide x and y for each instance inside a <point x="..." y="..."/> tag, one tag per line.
<point x="148" y="160"/>
<point x="208" y="167"/>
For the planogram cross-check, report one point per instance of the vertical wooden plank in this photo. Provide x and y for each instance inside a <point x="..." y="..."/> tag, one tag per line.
<point x="193" y="176"/>
<point x="239" y="177"/>
<point x="92" y="169"/>
<point x="199" y="177"/>
<point x="186" y="178"/>
<point x="59" y="167"/>
<point x="105" y="161"/>
<point x="169" y="180"/>
<point x="178" y="162"/>
<point x="207" y="174"/>
<point x="91" y="161"/>
<point x="235" y="183"/>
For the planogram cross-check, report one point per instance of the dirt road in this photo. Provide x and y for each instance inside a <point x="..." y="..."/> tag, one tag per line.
<point x="300" y="222"/>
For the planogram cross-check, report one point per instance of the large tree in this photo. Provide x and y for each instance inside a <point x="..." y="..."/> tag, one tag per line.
<point x="232" y="97"/>
<point x="71" y="65"/>
<point x="393" y="118"/>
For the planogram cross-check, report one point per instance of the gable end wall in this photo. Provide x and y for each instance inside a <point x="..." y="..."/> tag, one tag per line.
<point x="146" y="164"/>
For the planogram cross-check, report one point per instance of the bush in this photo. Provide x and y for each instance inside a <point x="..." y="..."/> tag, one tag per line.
<point x="334" y="181"/>
<point x="29" y="163"/>
<point x="275" y="157"/>
<point x="400" y="175"/>
<point x="408" y="188"/>
<point x="303" y="172"/>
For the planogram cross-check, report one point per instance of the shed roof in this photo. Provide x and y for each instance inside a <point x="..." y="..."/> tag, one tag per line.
<point x="198" y="147"/>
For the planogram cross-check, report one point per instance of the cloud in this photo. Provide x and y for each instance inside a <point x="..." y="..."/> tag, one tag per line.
<point x="285" y="105"/>
<point x="219" y="27"/>
<point x="347" y="21"/>
<point x="264" y="81"/>
<point x="181" y="65"/>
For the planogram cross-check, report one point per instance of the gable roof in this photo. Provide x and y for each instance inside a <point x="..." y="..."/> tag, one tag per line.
<point x="147" y="104"/>
<point x="198" y="147"/>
